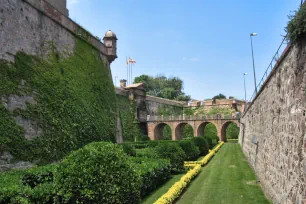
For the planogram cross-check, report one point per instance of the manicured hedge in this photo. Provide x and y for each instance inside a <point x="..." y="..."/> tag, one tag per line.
<point x="129" y="149"/>
<point x="138" y="145"/>
<point x="209" y="142"/>
<point x="202" y="144"/>
<point x="28" y="186"/>
<point x="191" y="150"/>
<point x="101" y="173"/>
<point x="98" y="173"/>
<point x="147" y="152"/>
<point x="153" y="172"/>
<point x="174" y="152"/>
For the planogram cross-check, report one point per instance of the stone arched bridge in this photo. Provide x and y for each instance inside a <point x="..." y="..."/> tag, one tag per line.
<point x="156" y="125"/>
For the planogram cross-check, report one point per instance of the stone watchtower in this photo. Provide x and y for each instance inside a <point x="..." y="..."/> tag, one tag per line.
<point x="60" y="5"/>
<point x="110" y="42"/>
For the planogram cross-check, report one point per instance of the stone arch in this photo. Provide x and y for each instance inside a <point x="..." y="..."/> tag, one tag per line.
<point x="179" y="130"/>
<point x="223" y="129"/>
<point x="201" y="127"/>
<point x="159" y="131"/>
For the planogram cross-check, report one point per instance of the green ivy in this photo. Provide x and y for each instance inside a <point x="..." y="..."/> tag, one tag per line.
<point x="167" y="110"/>
<point x="74" y="102"/>
<point x="212" y="111"/>
<point x="130" y="124"/>
<point x="296" y="27"/>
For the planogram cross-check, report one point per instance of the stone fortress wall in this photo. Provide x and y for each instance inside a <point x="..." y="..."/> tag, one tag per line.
<point x="60" y="5"/>
<point x="209" y="104"/>
<point x="31" y="27"/>
<point x="272" y="133"/>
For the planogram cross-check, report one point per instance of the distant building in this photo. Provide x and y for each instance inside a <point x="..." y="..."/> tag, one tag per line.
<point x="220" y="103"/>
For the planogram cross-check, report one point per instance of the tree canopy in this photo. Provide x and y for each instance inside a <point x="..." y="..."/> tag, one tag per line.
<point x="161" y="86"/>
<point x="219" y="96"/>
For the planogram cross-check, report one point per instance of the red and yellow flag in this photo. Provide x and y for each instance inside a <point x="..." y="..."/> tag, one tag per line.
<point x="132" y="61"/>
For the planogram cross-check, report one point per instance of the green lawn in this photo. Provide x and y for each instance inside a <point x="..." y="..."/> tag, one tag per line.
<point x="154" y="196"/>
<point x="226" y="179"/>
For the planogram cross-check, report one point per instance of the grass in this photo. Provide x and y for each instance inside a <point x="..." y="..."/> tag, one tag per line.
<point x="226" y="179"/>
<point x="155" y="195"/>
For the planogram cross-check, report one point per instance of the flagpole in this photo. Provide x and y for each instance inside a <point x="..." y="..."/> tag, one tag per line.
<point x="127" y="73"/>
<point x="132" y="72"/>
<point x="129" y="70"/>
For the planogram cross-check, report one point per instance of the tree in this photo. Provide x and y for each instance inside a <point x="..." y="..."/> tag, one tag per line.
<point x="219" y="96"/>
<point x="232" y="131"/>
<point x="161" y="86"/>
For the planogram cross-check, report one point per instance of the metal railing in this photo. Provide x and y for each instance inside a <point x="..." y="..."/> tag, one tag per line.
<point x="274" y="62"/>
<point x="192" y="117"/>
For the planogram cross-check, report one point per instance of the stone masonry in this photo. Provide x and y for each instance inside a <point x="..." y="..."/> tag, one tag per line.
<point x="60" y="5"/>
<point x="272" y="133"/>
<point x="33" y="27"/>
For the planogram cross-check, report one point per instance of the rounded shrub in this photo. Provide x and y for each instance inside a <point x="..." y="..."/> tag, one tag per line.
<point x="145" y="138"/>
<point x="129" y="149"/>
<point x="142" y="138"/>
<point x="100" y="172"/>
<point x="172" y="151"/>
<point x="202" y="144"/>
<point x="191" y="150"/>
<point x="209" y="142"/>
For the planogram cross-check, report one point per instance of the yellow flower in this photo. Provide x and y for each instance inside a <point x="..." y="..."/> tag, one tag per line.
<point x="195" y="168"/>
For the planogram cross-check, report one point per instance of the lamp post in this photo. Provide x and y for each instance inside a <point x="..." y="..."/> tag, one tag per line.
<point x="253" y="34"/>
<point x="116" y="80"/>
<point x="244" y="87"/>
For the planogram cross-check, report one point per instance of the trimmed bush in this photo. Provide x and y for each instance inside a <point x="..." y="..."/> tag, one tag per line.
<point x="191" y="150"/>
<point x="44" y="193"/>
<point x="209" y="142"/>
<point x="138" y="145"/>
<point x="174" y="152"/>
<point x="98" y="173"/>
<point x="129" y="149"/>
<point x="143" y="138"/>
<point x="33" y="180"/>
<point x="147" y="152"/>
<point x="153" y="172"/>
<point x="155" y="143"/>
<point x="28" y="186"/>
<point x="201" y="143"/>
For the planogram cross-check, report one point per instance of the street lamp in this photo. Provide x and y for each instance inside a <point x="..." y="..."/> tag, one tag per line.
<point x="116" y="80"/>
<point x="244" y="87"/>
<point x="253" y="34"/>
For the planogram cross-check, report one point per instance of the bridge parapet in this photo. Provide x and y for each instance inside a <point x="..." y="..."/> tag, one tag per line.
<point x="192" y="117"/>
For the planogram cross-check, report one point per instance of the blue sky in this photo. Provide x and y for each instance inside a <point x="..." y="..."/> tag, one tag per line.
<point x="205" y="43"/>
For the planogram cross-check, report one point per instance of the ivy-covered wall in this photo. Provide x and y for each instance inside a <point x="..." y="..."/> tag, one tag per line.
<point x="166" y="110"/>
<point x="129" y="121"/>
<point x="73" y="103"/>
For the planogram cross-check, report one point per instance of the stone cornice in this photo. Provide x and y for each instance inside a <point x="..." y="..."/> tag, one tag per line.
<point x="48" y="10"/>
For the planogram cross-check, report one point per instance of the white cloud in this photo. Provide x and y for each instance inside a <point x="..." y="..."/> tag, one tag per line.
<point x="193" y="59"/>
<point x="73" y="1"/>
